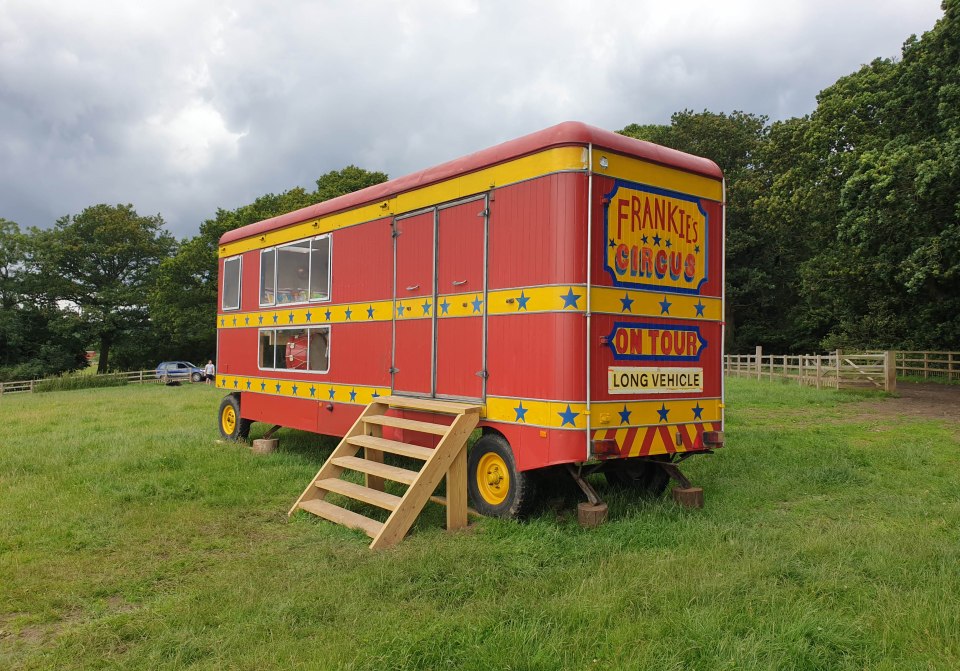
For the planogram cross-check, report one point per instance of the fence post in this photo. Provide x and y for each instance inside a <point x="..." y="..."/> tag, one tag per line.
<point x="890" y="370"/>
<point x="926" y="365"/>
<point x="839" y="355"/>
<point x="759" y="357"/>
<point x="819" y="364"/>
<point x="950" y="366"/>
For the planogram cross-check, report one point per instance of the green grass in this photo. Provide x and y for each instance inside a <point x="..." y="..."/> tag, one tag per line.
<point x="130" y="539"/>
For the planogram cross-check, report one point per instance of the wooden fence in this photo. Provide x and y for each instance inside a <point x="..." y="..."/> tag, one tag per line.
<point x="939" y="366"/>
<point x="836" y="370"/>
<point x="133" y="376"/>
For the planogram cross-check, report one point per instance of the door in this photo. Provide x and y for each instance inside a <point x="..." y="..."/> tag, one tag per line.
<point x="413" y="291"/>
<point x="461" y="300"/>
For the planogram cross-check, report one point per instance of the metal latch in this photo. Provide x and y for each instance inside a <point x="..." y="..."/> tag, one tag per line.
<point x="483" y="374"/>
<point x="393" y="370"/>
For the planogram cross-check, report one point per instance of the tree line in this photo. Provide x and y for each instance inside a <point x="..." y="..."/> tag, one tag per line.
<point x="843" y="231"/>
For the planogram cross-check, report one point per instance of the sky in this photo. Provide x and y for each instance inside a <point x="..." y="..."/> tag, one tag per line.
<point x="183" y="107"/>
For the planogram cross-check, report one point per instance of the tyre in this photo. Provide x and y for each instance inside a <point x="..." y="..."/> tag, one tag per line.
<point x="196" y="377"/>
<point x="642" y="475"/>
<point x="497" y="488"/>
<point x="231" y="426"/>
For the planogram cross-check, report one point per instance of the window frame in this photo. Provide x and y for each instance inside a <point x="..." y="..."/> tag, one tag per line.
<point x="326" y="299"/>
<point x="260" y="283"/>
<point x="301" y="327"/>
<point x="223" y="289"/>
<point x="310" y="273"/>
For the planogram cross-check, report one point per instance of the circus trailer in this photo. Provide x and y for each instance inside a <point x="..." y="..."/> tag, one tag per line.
<point x="566" y="287"/>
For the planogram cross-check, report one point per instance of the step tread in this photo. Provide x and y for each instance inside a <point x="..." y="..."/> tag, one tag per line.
<point x="404" y="475"/>
<point x="347" y="518"/>
<point x="360" y="493"/>
<point x="410" y="424"/>
<point x="428" y="404"/>
<point x="392" y="446"/>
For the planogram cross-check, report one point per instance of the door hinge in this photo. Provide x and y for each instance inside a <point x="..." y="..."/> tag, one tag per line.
<point x="395" y="232"/>
<point x="393" y="370"/>
<point x="485" y="212"/>
<point x="482" y="373"/>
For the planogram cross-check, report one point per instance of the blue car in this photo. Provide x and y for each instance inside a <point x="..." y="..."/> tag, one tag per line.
<point x="179" y="370"/>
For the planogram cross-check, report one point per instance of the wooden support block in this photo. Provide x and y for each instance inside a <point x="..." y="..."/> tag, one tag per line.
<point x="688" y="497"/>
<point x="591" y="515"/>
<point x="457" y="492"/>
<point x="265" y="446"/>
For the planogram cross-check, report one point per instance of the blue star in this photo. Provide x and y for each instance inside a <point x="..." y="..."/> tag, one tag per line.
<point x="664" y="306"/>
<point x="278" y="387"/>
<point x="669" y="244"/>
<point x="697" y="411"/>
<point x="522" y="301"/>
<point x="331" y="392"/>
<point x="476" y="302"/>
<point x="663" y="411"/>
<point x="400" y="309"/>
<point x="627" y="303"/>
<point x="248" y="384"/>
<point x="246" y="320"/>
<point x="645" y="239"/>
<point x="327" y="314"/>
<point x="223" y="322"/>
<point x="313" y="390"/>
<point x="444" y="306"/>
<point x="290" y="319"/>
<point x="260" y="319"/>
<point x="294" y="390"/>
<point x="370" y="312"/>
<point x="521" y="413"/>
<point x="699" y="308"/>
<point x="263" y="385"/>
<point x="570" y="299"/>
<point x="568" y="416"/>
<point x="348" y="314"/>
<point x="376" y="395"/>
<point x="275" y="317"/>
<point x="223" y="383"/>
<point x="656" y="240"/>
<point x="612" y="243"/>
<point x="624" y="415"/>
<point x="696" y="249"/>
<point x="309" y="315"/>
<point x="353" y="394"/>
<point x="426" y="307"/>
<point x="235" y="384"/>
<point x="234" y="321"/>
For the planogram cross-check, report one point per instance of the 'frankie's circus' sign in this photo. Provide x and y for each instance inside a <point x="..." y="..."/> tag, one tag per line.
<point x="655" y="238"/>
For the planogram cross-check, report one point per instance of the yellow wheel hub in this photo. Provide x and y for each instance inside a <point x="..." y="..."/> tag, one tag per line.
<point x="493" y="478"/>
<point x="228" y="420"/>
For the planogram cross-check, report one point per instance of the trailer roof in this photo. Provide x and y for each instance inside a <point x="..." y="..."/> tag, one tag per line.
<point x="567" y="133"/>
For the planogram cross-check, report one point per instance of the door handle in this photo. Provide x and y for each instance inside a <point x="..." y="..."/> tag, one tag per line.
<point x="413" y="288"/>
<point x="460" y="283"/>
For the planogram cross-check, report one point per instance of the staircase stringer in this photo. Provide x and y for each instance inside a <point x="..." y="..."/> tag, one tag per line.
<point x="451" y="446"/>
<point x="343" y="449"/>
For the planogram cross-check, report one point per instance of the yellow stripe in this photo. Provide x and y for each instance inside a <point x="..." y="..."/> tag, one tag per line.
<point x="527" y="167"/>
<point x="635" y="170"/>
<point x="560" y="298"/>
<point x="310" y="390"/>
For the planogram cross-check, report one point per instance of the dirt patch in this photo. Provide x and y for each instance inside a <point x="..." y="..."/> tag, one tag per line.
<point x="926" y="400"/>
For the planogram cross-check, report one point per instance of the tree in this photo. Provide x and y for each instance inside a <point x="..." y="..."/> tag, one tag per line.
<point x="103" y="261"/>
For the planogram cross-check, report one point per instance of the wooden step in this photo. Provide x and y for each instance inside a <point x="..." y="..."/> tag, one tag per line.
<point x="392" y="446"/>
<point x="429" y="405"/>
<point x="404" y="475"/>
<point x="347" y="518"/>
<point x="408" y="424"/>
<point x="360" y="493"/>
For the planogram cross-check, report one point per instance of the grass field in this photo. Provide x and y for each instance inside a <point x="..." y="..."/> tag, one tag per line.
<point x="130" y="539"/>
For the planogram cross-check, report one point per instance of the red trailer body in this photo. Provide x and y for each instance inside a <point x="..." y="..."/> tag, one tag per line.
<point x="570" y="281"/>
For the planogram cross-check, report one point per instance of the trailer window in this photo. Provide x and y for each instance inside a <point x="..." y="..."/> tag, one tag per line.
<point x="295" y="349"/>
<point x="320" y="269"/>
<point x="268" y="276"/>
<point x="293" y="272"/>
<point x="231" y="283"/>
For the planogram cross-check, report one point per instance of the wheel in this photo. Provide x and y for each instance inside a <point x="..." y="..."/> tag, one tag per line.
<point x="497" y="488"/>
<point x="196" y="377"/>
<point x="231" y="426"/>
<point x="642" y="475"/>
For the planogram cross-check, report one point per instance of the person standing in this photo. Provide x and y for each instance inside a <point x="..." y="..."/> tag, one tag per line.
<point x="209" y="371"/>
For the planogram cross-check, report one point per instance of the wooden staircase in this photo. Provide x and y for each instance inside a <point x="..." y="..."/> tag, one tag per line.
<point x="448" y="458"/>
